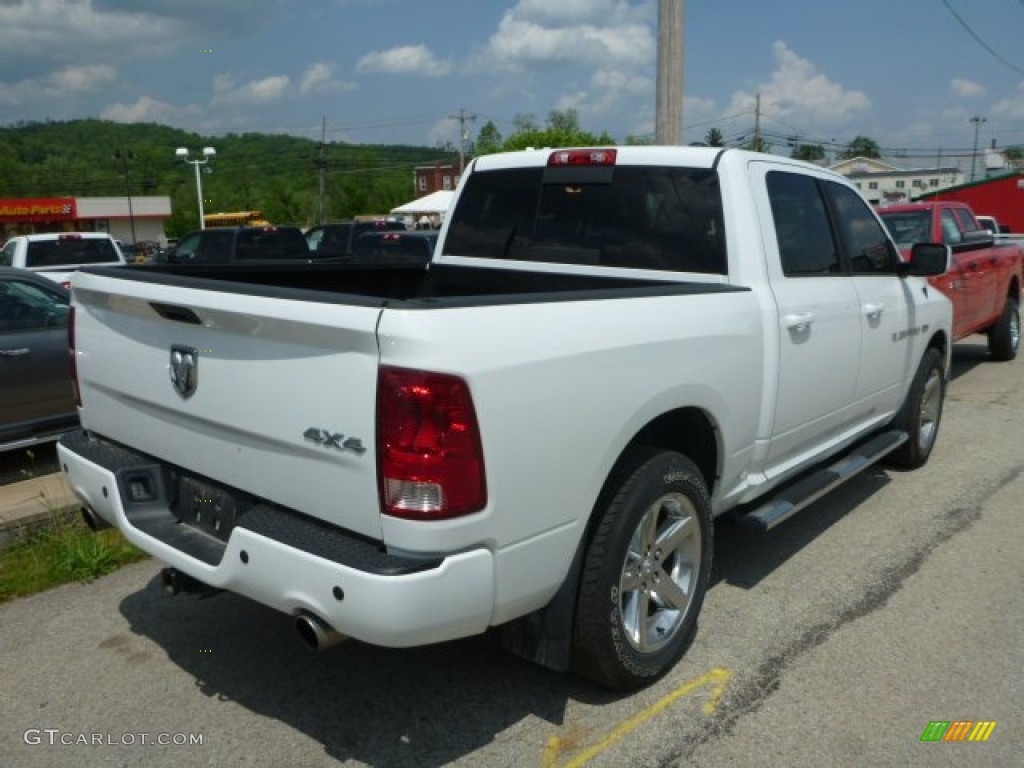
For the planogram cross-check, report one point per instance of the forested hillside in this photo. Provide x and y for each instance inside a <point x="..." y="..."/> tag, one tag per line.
<point x="277" y="174"/>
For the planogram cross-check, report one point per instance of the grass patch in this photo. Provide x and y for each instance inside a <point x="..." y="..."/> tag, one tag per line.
<point x="63" y="552"/>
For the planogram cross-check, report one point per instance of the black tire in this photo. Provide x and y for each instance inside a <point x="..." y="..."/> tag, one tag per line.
<point x="921" y="413"/>
<point x="627" y="633"/>
<point x="1004" y="336"/>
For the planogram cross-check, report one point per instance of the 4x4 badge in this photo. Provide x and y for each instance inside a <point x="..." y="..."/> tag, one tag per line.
<point x="184" y="369"/>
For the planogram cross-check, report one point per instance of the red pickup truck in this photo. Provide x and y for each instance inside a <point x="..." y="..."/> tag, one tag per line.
<point x="985" y="278"/>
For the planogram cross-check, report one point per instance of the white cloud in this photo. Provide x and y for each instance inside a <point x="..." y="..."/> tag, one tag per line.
<point x="42" y="31"/>
<point x="573" y="12"/>
<point x="253" y="93"/>
<point x="1012" y="107"/>
<point x="607" y="90"/>
<point x="144" y="110"/>
<point x="405" y="60"/>
<point x="56" y="85"/>
<point x="967" y="88"/>
<point x="319" y="78"/>
<point x="521" y="42"/>
<point x="86" y="78"/>
<point x="798" y="91"/>
<point x="602" y="50"/>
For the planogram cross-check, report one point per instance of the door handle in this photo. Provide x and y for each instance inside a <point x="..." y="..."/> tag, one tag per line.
<point x="873" y="310"/>
<point x="798" y="321"/>
<point x="14" y="352"/>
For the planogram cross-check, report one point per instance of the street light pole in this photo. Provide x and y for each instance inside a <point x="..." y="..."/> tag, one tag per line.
<point x="208" y="152"/>
<point x="124" y="157"/>
<point x="974" y="158"/>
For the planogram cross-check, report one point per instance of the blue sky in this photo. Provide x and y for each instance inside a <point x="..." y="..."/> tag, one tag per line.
<point x="908" y="73"/>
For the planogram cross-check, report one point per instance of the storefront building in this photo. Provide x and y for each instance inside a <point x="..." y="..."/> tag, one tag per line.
<point x="132" y="220"/>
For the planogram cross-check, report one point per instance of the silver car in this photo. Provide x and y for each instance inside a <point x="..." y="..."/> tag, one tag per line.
<point x="37" y="402"/>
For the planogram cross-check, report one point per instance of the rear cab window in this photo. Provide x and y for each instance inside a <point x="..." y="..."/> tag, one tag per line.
<point x="271" y="243"/>
<point x="638" y="217"/>
<point x="374" y="245"/>
<point x="70" y="251"/>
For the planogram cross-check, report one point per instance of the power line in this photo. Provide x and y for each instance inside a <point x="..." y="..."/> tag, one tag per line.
<point x="978" y="39"/>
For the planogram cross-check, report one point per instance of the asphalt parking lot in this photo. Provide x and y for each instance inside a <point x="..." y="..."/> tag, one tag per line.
<point x="834" y="640"/>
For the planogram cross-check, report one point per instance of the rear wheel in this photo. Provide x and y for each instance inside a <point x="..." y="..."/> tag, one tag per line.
<point x="921" y="413"/>
<point x="645" y="573"/>
<point x="1004" y="337"/>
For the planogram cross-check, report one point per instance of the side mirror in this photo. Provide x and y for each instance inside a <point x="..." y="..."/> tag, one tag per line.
<point x="978" y="238"/>
<point x="927" y="260"/>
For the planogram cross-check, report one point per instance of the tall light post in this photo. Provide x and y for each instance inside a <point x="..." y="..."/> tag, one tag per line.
<point x="974" y="158"/>
<point x="208" y="152"/>
<point x="124" y="157"/>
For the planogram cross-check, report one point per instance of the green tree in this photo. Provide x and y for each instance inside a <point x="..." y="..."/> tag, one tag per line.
<point x="1014" y="156"/>
<point x="562" y="130"/>
<point x="861" y="146"/>
<point x="757" y="144"/>
<point x="489" y="140"/>
<point x="275" y="173"/>
<point x="812" y="153"/>
<point x="714" y="138"/>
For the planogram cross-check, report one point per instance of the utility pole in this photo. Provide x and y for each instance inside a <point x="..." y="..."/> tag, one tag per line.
<point x="463" y="117"/>
<point x="321" y="164"/>
<point x="974" y="158"/>
<point x="668" y="121"/>
<point x="757" y="124"/>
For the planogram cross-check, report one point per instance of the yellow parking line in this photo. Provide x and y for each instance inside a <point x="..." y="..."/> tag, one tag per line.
<point x="717" y="679"/>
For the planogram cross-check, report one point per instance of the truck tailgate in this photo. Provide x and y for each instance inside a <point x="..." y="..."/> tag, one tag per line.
<point x="280" y="400"/>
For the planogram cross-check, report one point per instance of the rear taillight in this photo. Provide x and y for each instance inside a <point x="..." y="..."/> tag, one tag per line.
<point x="430" y="459"/>
<point x="71" y="356"/>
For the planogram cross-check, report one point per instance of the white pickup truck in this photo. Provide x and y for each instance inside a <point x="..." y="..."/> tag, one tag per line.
<point x="55" y="255"/>
<point x="610" y="348"/>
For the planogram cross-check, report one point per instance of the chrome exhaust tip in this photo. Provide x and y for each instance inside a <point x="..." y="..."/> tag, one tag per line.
<point x="315" y="633"/>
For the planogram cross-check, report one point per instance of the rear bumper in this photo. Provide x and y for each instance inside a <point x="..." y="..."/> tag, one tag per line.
<point x="288" y="561"/>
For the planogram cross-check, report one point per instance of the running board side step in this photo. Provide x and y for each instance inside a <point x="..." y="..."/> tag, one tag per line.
<point x="811" y="488"/>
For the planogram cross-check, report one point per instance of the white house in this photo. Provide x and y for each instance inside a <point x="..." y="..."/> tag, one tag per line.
<point x="881" y="182"/>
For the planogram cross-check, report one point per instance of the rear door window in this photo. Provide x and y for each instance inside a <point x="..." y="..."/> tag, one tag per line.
<point x="802" y="229"/>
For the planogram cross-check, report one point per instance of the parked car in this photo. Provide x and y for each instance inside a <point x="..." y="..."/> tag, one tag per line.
<point x="991" y="224"/>
<point x="337" y="240"/>
<point x="389" y="247"/>
<point x="56" y="255"/>
<point x="985" y="277"/>
<point x="225" y="245"/>
<point x="37" y="402"/>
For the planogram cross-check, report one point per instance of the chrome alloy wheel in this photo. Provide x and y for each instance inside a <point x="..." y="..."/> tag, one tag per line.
<point x="931" y="409"/>
<point x="660" y="572"/>
<point x="1014" y="331"/>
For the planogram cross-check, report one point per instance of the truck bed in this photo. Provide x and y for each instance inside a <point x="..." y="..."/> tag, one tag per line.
<point x="413" y="287"/>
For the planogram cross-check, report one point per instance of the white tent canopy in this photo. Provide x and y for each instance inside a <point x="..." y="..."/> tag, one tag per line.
<point x="433" y="204"/>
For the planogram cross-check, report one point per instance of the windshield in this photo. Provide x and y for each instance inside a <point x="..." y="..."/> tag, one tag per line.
<point x="908" y="227"/>
<point x="626" y="216"/>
